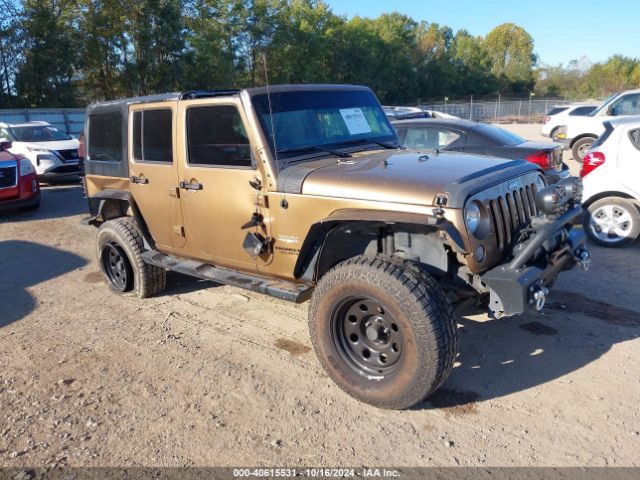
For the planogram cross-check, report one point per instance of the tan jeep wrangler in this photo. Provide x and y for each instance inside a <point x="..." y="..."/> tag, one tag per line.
<point x="303" y="192"/>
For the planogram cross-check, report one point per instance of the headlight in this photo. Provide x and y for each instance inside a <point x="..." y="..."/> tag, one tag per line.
<point x="26" y="167"/>
<point x="472" y="217"/>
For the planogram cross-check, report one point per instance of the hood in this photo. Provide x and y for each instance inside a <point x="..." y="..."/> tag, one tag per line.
<point x="56" y="145"/>
<point x="409" y="177"/>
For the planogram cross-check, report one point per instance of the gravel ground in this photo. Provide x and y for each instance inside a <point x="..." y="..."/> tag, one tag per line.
<point x="217" y="376"/>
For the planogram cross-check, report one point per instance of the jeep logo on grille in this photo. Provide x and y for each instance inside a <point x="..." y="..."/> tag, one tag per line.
<point x="513" y="184"/>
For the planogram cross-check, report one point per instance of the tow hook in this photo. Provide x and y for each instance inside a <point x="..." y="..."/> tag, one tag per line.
<point x="584" y="257"/>
<point x="538" y="296"/>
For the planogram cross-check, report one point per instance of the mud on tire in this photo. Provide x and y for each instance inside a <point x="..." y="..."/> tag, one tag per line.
<point x="119" y="248"/>
<point x="383" y="331"/>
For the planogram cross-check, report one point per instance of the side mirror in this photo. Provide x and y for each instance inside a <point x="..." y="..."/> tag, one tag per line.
<point x="5" y="143"/>
<point x="611" y="111"/>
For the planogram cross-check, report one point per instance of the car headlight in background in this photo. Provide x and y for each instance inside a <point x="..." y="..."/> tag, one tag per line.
<point x="26" y="167"/>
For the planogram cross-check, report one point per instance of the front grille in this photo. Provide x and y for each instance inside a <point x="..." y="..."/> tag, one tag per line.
<point x="8" y="176"/>
<point x="65" y="169"/>
<point x="69" y="155"/>
<point x="511" y="212"/>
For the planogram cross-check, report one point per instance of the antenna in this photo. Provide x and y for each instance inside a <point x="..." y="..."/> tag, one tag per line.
<point x="273" y="125"/>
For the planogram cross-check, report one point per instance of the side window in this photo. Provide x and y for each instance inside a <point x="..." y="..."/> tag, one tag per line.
<point x="153" y="135"/>
<point x="430" y="138"/>
<point x="581" y="111"/>
<point x="216" y="137"/>
<point x="105" y="137"/>
<point x="634" y="136"/>
<point x="628" y="105"/>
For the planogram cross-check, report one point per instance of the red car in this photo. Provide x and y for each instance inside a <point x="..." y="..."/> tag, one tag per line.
<point x="19" y="187"/>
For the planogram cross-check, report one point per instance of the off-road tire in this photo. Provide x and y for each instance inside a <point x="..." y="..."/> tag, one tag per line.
<point x="419" y="307"/>
<point x="618" y="206"/>
<point x="580" y="146"/>
<point x="147" y="280"/>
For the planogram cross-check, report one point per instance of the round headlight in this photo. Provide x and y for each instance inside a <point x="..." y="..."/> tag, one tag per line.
<point x="472" y="217"/>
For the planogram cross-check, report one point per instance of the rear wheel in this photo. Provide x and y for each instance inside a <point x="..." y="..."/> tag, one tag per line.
<point x="119" y="250"/>
<point x="581" y="147"/>
<point x="383" y="330"/>
<point x="612" y="222"/>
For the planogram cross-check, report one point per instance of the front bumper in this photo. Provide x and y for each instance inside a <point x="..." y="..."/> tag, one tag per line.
<point x="523" y="282"/>
<point x="32" y="201"/>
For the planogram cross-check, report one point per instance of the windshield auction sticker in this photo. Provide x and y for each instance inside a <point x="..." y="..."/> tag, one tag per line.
<point x="355" y="120"/>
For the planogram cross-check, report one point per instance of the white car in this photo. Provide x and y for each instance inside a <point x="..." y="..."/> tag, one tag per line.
<point x="581" y="132"/>
<point x="557" y="117"/>
<point x="53" y="153"/>
<point x="611" y="180"/>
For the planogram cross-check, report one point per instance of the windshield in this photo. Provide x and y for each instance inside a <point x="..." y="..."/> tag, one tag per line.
<point x="604" y="105"/>
<point x="39" y="133"/>
<point x="499" y="135"/>
<point x="308" y="121"/>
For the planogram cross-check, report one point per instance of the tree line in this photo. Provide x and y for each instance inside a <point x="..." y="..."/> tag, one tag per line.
<point x="63" y="53"/>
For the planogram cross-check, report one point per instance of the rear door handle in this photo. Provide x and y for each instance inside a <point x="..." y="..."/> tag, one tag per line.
<point x="139" y="180"/>
<point x="191" y="186"/>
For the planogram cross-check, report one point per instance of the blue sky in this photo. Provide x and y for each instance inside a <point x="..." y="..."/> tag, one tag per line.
<point x="563" y="30"/>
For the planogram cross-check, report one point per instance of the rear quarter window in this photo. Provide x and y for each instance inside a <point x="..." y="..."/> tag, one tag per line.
<point x="105" y="137"/>
<point x="556" y="110"/>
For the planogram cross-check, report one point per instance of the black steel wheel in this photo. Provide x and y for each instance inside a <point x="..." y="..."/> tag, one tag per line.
<point x="117" y="267"/>
<point x="383" y="330"/>
<point x="367" y="337"/>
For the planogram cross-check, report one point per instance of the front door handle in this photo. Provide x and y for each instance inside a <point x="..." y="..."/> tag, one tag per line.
<point x="139" y="180"/>
<point x="191" y="186"/>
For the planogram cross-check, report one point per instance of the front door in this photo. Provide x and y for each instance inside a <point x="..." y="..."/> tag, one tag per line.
<point x="153" y="172"/>
<point x="215" y="174"/>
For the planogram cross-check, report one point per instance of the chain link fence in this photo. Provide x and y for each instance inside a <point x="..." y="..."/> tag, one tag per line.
<point x="499" y="110"/>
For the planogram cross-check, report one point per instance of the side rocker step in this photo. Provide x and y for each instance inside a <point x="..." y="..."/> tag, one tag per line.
<point x="293" y="292"/>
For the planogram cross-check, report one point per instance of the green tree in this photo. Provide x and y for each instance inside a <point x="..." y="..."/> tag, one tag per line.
<point x="47" y="67"/>
<point x="509" y="49"/>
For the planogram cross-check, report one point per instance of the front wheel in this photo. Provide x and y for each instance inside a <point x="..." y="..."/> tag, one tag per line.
<point x="383" y="331"/>
<point x="612" y="222"/>
<point x="581" y="147"/>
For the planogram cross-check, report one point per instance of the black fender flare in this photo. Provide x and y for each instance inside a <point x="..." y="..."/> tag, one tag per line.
<point x="101" y="202"/>
<point x="311" y="247"/>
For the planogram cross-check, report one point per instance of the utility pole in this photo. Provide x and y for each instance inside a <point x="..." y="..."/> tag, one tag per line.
<point x="531" y="95"/>
<point x="471" y="109"/>
<point x="445" y="104"/>
<point x="498" y="111"/>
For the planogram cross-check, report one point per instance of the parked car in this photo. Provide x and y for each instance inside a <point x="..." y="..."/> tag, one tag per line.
<point x="556" y="118"/>
<point x="579" y="132"/>
<point x="302" y="192"/>
<point x="483" y="139"/>
<point x="404" y="113"/>
<point x="53" y="153"/>
<point x="611" y="179"/>
<point x="19" y="188"/>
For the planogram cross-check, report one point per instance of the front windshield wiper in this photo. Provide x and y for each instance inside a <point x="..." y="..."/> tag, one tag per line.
<point x="363" y="141"/>
<point x="316" y="148"/>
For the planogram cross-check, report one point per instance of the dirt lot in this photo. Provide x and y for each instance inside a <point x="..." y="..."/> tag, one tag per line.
<point x="213" y="375"/>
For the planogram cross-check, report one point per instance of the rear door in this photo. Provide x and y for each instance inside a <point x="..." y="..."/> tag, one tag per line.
<point x="629" y="159"/>
<point x="153" y="173"/>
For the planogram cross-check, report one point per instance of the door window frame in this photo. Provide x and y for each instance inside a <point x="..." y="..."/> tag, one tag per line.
<point x="171" y="106"/>
<point x="188" y="164"/>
